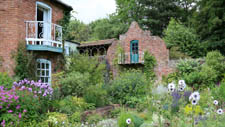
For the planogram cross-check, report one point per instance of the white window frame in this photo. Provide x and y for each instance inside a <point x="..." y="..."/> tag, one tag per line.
<point x="44" y="61"/>
<point x="48" y="29"/>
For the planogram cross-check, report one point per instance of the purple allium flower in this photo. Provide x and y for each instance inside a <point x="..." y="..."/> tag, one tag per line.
<point x="176" y="96"/>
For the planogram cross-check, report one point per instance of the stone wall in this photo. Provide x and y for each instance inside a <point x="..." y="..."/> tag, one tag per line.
<point x="13" y="14"/>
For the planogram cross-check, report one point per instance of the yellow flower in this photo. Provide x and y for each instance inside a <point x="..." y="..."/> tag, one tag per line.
<point x="188" y="109"/>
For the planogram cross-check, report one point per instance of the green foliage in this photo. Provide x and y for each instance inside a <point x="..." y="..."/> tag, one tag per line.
<point x="154" y="15"/>
<point x="96" y="95"/>
<point x="5" y="80"/>
<point x="77" y="31"/>
<point x="122" y="120"/>
<point x="91" y="65"/>
<point x="149" y="64"/>
<point x="127" y="86"/>
<point x="178" y="35"/>
<point x="74" y="83"/>
<point x="176" y="54"/>
<point x="135" y="120"/>
<point x="209" y="21"/>
<point x="25" y="63"/>
<point x="216" y="61"/>
<point x="75" y="117"/>
<point x="187" y="66"/>
<point x="110" y="27"/>
<point x="219" y="93"/>
<point x="71" y="104"/>
<point x="93" y="119"/>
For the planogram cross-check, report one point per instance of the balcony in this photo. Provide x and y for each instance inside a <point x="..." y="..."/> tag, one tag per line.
<point x="131" y="58"/>
<point x="43" y="36"/>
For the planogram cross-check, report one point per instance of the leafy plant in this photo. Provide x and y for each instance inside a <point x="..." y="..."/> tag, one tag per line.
<point x="96" y="95"/>
<point x="127" y="85"/>
<point x="149" y="64"/>
<point x="216" y="61"/>
<point x="6" y="80"/>
<point x="25" y="63"/>
<point x="187" y="66"/>
<point x="74" y="83"/>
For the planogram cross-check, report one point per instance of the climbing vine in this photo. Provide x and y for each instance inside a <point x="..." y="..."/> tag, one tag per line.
<point x="149" y="64"/>
<point x="25" y="63"/>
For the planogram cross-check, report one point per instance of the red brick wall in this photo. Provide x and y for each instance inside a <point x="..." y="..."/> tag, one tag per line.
<point x="13" y="14"/>
<point x="153" y="44"/>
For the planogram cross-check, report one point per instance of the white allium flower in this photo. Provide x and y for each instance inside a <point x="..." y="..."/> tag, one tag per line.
<point x="195" y="96"/>
<point x="128" y="121"/>
<point x="171" y="87"/>
<point x="181" y="89"/>
<point x="215" y="102"/>
<point x="63" y="122"/>
<point x="56" y="122"/>
<point x="220" y="111"/>
<point x="194" y="102"/>
<point x="181" y="83"/>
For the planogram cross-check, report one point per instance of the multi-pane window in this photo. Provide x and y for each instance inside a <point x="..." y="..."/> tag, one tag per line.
<point x="44" y="70"/>
<point x="134" y="48"/>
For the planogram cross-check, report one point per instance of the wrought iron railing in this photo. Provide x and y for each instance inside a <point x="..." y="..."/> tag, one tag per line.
<point x="43" y="33"/>
<point x="129" y="58"/>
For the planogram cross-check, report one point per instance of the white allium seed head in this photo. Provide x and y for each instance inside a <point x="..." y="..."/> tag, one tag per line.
<point x="220" y="111"/>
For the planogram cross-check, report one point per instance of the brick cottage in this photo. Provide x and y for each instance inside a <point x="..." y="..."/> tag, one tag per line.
<point x="33" y="22"/>
<point x="133" y="43"/>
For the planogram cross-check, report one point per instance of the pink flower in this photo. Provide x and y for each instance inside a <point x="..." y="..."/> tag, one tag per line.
<point x="20" y="115"/>
<point x="9" y="111"/>
<point x="18" y="106"/>
<point x="24" y="110"/>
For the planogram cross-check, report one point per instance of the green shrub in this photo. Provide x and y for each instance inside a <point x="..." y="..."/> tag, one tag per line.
<point x="5" y="80"/>
<point x="94" y="119"/>
<point x="71" y="104"/>
<point x="25" y="63"/>
<point x="216" y="61"/>
<point x="219" y="93"/>
<point x="75" y="117"/>
<point x="128" y="84"/>
<point x="96" y="95"/>
<point x="174" y="53"/>
<point x="90" y="65"/>
<point x="187" y="66"/>
<point x="74" y="84"/>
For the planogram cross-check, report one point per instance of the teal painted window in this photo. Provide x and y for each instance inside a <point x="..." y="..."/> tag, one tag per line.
<point x="134" y="56"/>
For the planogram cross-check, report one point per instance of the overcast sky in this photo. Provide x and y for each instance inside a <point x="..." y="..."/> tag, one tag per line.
<point x="90" y="10"/>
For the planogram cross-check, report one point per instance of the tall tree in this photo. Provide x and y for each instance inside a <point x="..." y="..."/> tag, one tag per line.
<point x="209" y="22"/>
<point x="77" y="31"/>
<point x="107" y="28"/>
<point x="154" y="15"/>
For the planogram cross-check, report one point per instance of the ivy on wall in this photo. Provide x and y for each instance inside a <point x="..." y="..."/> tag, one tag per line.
<point x="1" y="61"/>
<point x="149" y="64"/>
<point x="25" y="63"/>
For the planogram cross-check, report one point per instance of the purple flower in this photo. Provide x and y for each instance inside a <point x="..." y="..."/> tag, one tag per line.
<point x="20" y="115"/>
<point x="9" y="111"/>
<point x="3" y="123"/>
<point x="24" y="110"/>
<point x="30" y="89"/>
<point x="18" y="106"/>
<point x="176" y="96"/>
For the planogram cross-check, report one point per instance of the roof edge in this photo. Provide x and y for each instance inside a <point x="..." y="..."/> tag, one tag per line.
<point x="70" y="8"/>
